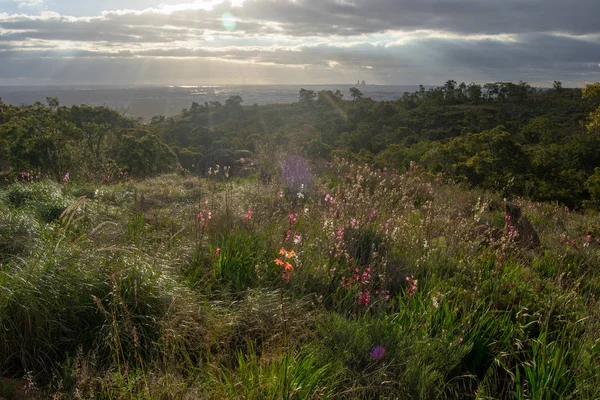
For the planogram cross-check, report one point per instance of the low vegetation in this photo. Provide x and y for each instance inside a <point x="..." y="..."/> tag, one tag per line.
<point x="326" y="280"/>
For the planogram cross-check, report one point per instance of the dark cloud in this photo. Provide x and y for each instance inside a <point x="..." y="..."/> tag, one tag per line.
<point x="535" y="58"/>
<point x="401" y="41"/>
<point x="303" y="18"/>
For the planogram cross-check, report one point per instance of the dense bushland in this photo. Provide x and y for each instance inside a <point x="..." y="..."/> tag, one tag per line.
<point x="342" y="281"/>
<point x="505" y="137"/>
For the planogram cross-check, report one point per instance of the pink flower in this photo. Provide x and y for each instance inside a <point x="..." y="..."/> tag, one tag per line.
<point x="292" y="218"/>
<point x="364" y="298"/>
<point x="217" y="251"/>
<point x="412" y="290"/>
<point x="372" y="213"/>
<point x="297" y="238"/>
<point x="248" y="214"/>
<point x="287" y="235"/>
<point x="340" y="234"/>
<point x="67" y="177"/>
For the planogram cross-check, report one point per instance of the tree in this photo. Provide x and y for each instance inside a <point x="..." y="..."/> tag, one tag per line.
<point x="329" y="97"/>
<point x="461" y="94"/>
<point x="355" y="93"/>
<point x="474" y="93"/>
<point x="591" y="93"/>
<point x="306" y="96"/>
<point x="592" y="184"/>
<point x="234" y="101"/>
<point x="195" y="108"/>
<point x="539" y="129"/>
<point x="450" y="91"/>
<point x="557" y="86"/>
<point x="492" y="90"/>
<point x="144" y="154"/>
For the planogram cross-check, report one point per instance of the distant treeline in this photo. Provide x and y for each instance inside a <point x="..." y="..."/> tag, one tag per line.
<point x="503" y="136"/>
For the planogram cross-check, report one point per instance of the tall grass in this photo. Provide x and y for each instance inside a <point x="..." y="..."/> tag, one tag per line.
<point x="129" y="293"/>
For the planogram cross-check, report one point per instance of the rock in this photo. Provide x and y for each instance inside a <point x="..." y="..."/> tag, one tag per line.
<point x="243" y="154"/>
<point x="518" y="224"/>
<point x="239" y="161"/>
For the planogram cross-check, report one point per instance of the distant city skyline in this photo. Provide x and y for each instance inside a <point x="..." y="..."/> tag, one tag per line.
<point x="235" y="42"/>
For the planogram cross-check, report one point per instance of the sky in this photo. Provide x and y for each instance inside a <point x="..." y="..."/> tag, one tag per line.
<point x="208" y="42"/>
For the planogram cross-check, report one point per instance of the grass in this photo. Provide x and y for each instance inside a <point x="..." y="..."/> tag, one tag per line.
<point x="124" y="291"/>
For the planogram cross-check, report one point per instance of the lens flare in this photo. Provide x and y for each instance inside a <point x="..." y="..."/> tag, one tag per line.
<point x="228" y="21"/>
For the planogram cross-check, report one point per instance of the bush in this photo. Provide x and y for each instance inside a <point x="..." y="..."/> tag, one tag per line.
<point x="44" y="198"/>
<point x="20" y="233"/>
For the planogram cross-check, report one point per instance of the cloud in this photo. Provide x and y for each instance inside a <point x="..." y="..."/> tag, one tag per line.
<point x="29" y="3"/>
<point x="403" y="41"/>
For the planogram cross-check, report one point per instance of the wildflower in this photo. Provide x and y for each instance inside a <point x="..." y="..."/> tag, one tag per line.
<point x="377" y="352"/>
<point x="366" y="275"/>
<point x="328" y="199"/>
<point x="248" y="214"/>
<point x="288" y="268"/>
<point x="372" y="213"/>
<point x="297" y="238"/>
<point x="340" y="234"/>
<point x="354" y="223"/>
<point x="435" y="300"/>
<point x="217" y="251"/>
<point x="293" y="218"/>
<point x="386" y="294"/>
<point x="564" y="238"/>
<point x="66" y="178"/>
<point x="280" y="193"/>
<point x="588" y="239"/>
<point x="300" y="195"/>
<point x="412" y="290"/>
<point x="364" y="298"/>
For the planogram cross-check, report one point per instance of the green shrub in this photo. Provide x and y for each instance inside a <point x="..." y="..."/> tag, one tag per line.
<point x="241" y="253"/>
<point x="44" y="198"/>
<point x="20" y="233"/>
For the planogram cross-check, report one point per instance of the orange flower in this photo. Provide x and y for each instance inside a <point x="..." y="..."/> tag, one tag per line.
<point x="288" y="266"/>
<point x="290" y="254"/>
<point x="282" y="252"/>
<point x="278" y="261"/>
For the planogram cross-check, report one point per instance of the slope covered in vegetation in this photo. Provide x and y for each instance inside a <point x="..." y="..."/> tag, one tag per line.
<point x="369" y="252"/>
<point x="330" y="281"/>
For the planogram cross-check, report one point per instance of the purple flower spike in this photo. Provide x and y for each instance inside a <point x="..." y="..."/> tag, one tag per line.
<point x="377" y="352"/>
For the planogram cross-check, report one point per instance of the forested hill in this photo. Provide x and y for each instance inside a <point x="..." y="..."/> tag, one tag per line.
<point x="508" y="137"/>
